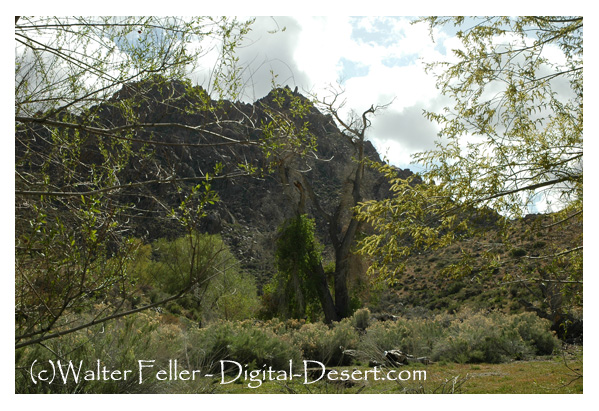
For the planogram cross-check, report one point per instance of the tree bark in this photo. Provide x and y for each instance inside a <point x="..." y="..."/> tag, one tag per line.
<point x="324" y="295"/>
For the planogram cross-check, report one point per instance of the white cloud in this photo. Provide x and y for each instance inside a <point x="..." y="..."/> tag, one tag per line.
<point x="375" y="59"/>
<point x="321" y="45"/>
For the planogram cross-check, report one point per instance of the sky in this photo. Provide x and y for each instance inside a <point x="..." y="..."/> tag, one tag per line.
<point x="377" y="60"/>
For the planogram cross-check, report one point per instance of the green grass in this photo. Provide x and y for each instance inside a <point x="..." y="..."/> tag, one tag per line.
<point x="543" y="376"/>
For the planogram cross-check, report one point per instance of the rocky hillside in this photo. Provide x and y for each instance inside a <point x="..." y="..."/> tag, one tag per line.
<point x="252" y="207"/>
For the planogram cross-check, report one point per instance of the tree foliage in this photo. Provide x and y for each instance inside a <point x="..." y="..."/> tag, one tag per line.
<point x="294" y="288"/>
<point x="510" y="142"/>
<point x="514" y="134"/>
<point x="221" y="290"/>
<point x="92" y="160"/>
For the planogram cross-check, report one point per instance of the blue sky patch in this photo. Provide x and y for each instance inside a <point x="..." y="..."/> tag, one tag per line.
<point x="400" y="61"/>
<point x="351" y="69"/>
<point x="383" y="33"/>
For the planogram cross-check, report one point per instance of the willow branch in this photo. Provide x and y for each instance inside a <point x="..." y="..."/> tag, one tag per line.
<point x="124" y="186"/>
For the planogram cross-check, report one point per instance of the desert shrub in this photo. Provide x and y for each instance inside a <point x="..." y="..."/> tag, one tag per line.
<point x="118" y="345"/>
<point x="454" y="287"/>
<point x="415" y="336"/>
<point x="490" y="338"/>
<point x="465" y="337"/>
<point x="470" y="341"/>
<point x="284" y="327"/>
<point x="536" y="332"/>
<point x="173" y="307"/>
<point x="243" y="342"/>
<point x="361" y="319"/>
<point x="423" y="334"/>
<point x="383" y="336"/>
<point x="319" y="342"/>
<point x="518" y="252"/>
